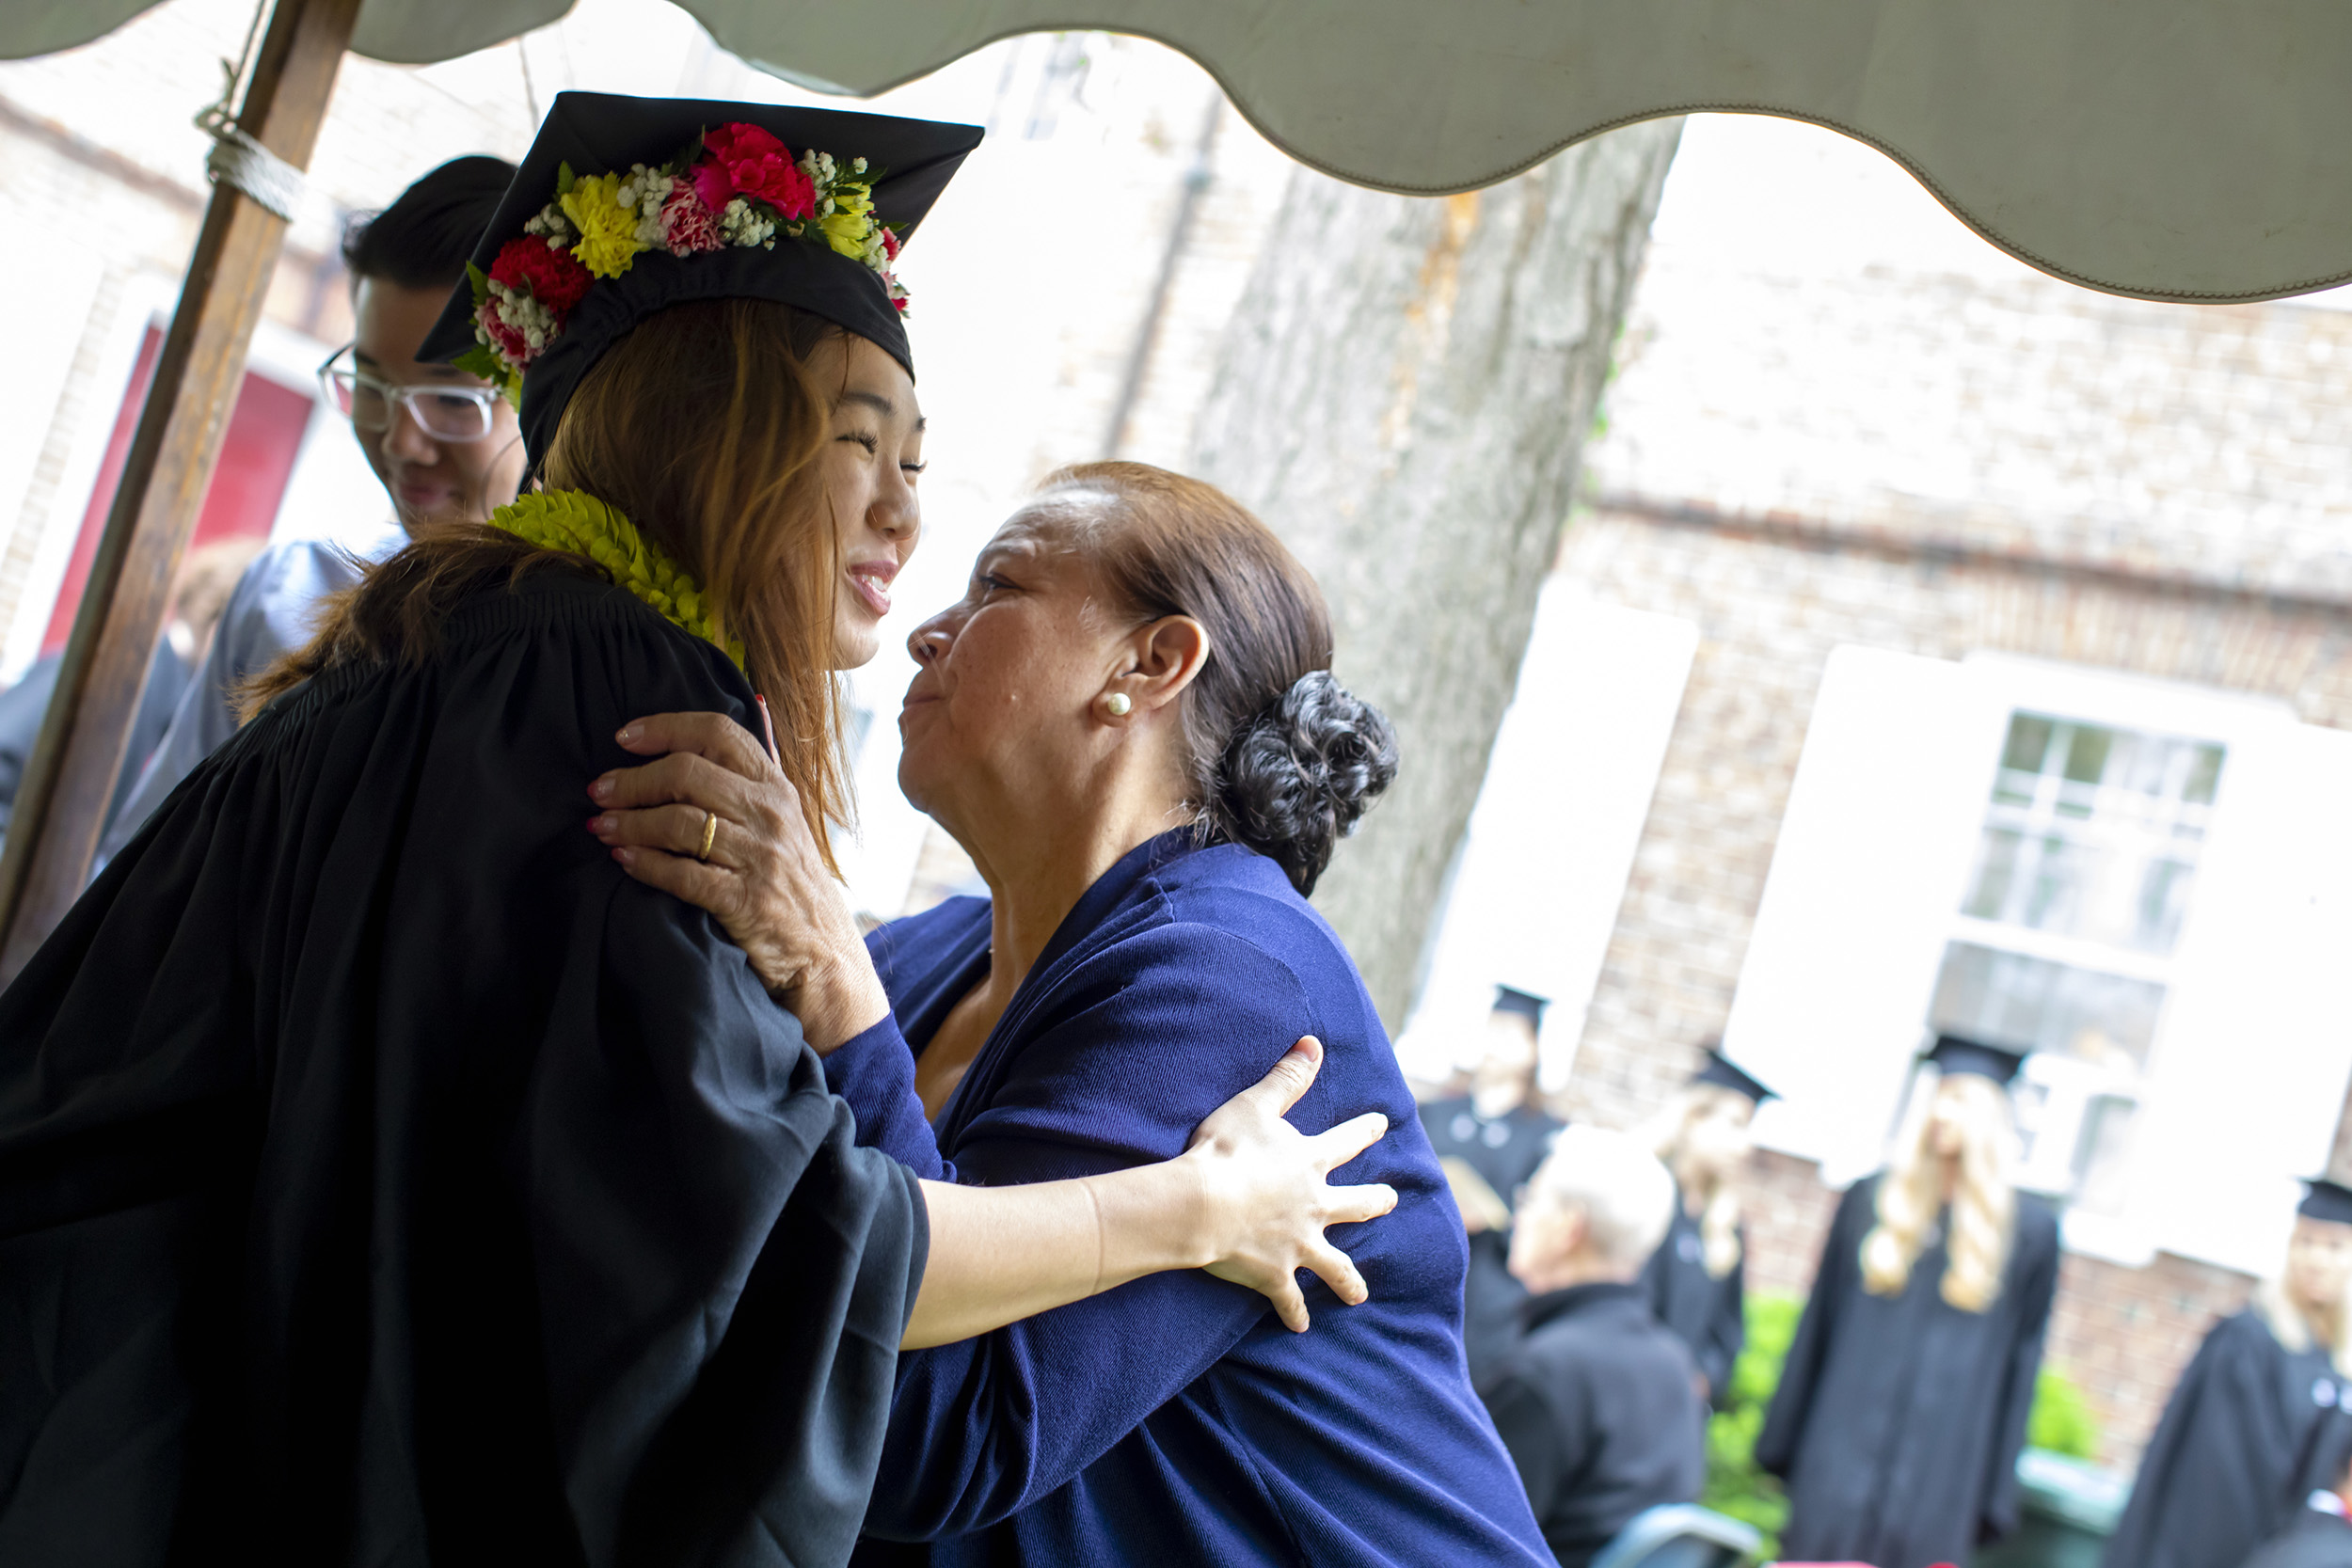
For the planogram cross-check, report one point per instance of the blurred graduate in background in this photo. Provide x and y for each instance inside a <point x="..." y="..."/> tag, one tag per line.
<point x="1489" y="1142"/>
<point x="2254" y="1425"/>
<point x="1902" y="1406"/>
<point x="1697" y="1281"/>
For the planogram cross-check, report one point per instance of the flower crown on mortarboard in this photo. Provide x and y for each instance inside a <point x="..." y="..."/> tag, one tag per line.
<point x="736" y="186"/>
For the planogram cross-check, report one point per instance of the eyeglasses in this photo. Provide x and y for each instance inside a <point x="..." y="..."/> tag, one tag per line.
<point x="444" y="413"/>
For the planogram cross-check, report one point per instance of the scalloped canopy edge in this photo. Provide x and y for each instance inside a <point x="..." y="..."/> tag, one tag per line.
<point x="2195" y="151"/>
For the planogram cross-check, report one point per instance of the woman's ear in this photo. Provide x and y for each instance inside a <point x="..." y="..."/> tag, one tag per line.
<point x="1164" y="657"/>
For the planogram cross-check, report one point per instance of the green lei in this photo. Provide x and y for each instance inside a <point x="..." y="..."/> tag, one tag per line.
<point x="576" y="521"/>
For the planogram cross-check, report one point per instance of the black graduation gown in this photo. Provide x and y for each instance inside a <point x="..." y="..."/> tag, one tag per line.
<point x="1897" y="1422"/>
<point x="1595" y="1403"/>
<point x="2237" y="1451"/>
<point x="2315" y="1540"/>
<point x="1505" y="1151"/>
<point x="1708" y="1314"/>
<point x="385" y="1177"/>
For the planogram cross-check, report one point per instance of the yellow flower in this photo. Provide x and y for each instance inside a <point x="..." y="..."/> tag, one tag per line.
<point x="846" y="232"/>
<point x="849" y="228"/>
<point x="608" y="240"/>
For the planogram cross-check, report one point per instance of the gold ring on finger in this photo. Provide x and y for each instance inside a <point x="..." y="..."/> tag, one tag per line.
<point x="710" y="834"/>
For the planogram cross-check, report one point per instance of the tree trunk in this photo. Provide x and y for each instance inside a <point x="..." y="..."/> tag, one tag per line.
<point x="1404" y="395"/>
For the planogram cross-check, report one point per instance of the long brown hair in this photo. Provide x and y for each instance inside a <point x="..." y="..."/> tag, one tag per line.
<point x="703" y="426"/>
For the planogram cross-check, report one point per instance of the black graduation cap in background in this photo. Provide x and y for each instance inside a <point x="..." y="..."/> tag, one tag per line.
<point x="1953" y="1054"/>
<point x="597" y="133"/>
<point x="1720" y="1069"/>
<point x="1526" y="1003"/>
<point x="2326" y="1200"/>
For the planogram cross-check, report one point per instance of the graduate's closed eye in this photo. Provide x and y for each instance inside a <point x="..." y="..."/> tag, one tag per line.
<point x="871" y="442"/>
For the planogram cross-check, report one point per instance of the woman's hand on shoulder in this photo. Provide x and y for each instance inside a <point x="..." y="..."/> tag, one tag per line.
<point x="709" y="783"/>
<point x="1266" y="1196"/>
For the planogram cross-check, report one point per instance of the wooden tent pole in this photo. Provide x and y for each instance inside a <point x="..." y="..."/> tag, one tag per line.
<point x="62" y="802"/>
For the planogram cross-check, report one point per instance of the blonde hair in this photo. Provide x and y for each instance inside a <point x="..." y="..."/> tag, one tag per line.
<point x="1624" y="1195"/>
<point x="1910" y="1195"/>
<point x="2292" y="1326"/>
<point x="1719" y="1211"/>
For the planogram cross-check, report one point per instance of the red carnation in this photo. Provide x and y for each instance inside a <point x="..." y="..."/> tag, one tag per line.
<point x="757" y="164"/>
<point x="555" y="277"/>
<point x="687" y="224"/>
<point x="710" y="182"/>
<point x="890" y="243"/>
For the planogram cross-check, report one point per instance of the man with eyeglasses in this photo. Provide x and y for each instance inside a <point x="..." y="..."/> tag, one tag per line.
<point x="444" y="444"/>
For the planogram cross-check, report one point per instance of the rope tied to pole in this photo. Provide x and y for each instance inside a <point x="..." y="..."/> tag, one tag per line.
<point x="238" y="159"/>
<point x="255" y="172"/>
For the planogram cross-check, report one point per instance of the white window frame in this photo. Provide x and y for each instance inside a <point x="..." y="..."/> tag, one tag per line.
<point x="2246" y="1071"/>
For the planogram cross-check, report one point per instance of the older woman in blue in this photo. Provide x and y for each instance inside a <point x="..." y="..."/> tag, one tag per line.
<point x="1128" y="722"/>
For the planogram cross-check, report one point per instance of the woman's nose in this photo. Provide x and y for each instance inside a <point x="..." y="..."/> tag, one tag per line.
<point x="898" y="514"/>
<point x="929" y="641"/>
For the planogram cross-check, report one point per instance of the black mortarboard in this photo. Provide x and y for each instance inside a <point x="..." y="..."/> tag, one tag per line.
<point x="595" y="133"/>
<point x="1718" y="1069"/>
<point x="1526" y="1003"/>
<point x="1951" y="1053"/>
<point x="2326" y="1200"/>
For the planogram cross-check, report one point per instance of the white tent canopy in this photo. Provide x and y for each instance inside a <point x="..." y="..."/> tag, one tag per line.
<point x="2184" y="149"/>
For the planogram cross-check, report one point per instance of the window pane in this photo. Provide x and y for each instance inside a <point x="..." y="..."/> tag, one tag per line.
<point x="2094" y="832"/>
<point x="2102" y="1155"/>
<point x="2204" y="772"/>
<point x="2029" y="742"/>
<point x="2087" y="754"/>
<point x="2028" y="1003"/>
<point x="1996" y="866"/>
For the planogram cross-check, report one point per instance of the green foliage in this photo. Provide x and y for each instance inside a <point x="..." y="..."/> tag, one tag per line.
<point x="1734" y="1483"/>
<point x="2061" y="1422"/>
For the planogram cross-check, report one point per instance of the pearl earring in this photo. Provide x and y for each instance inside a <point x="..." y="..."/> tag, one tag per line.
<point x="1118" y="703"/>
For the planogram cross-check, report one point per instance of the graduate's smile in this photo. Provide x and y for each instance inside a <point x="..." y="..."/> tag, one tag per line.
<point x="870" y="581"/>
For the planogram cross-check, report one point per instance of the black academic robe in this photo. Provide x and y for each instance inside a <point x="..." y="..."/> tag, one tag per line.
<point x="1505" y="1151"/>
<point x="386" y="1179"/>
<point x="2316" y="1539"/>
<point x="1897" y="1422"/>
<point x="2237" y="1451"/>
<point x="1596" y="1404"/>
<point x="1708" y="1314"/>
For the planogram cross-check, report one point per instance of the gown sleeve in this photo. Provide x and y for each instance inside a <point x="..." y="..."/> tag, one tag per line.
<point x="2159" y="1478"/>
<point x="1133" y="1053"/>
<point x="1776" y="1445"/>
<point x="1726" y="1326"/>
<point x="2037" y="1287"/>
<point x="683" y="1163"/>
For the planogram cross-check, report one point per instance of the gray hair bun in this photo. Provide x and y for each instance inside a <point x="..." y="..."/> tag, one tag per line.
<point x="1295" y="777"/>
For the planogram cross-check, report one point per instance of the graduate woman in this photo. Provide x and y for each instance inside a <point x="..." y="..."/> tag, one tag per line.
<point x="1129" y="722"/>
<point x="1697" y="1281"/>
<point x="1902" y="1406"/>
<point x="2255" y="1424"/>
<point x="387" y="1179"/>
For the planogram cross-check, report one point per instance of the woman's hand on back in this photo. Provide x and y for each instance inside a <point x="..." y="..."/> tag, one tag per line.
<point x="1265" y="1191"/>
<point x="764" y="881"/>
